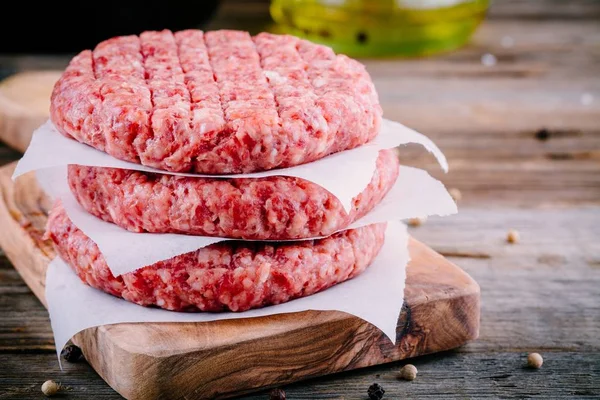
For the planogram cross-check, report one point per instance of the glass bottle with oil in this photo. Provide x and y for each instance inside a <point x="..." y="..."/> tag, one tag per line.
<point x="362" y="28"/>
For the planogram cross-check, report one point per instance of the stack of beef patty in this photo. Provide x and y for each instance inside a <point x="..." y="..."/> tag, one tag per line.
<point x="220" y="102"/>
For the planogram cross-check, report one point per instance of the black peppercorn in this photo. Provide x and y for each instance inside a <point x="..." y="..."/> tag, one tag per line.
<point x="71" y="353"/>
<point x="277" y="394"/>
<point x="375" y="392"/>
<point x="542" y="134"/>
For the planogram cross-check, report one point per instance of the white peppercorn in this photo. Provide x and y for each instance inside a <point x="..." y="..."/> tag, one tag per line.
<point x="408" y="372"/>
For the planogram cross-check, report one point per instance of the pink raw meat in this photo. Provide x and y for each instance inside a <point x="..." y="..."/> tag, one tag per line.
<point x="217" y="102"/>
<point x="271" y="208"/>
<point x="235" y="276"/>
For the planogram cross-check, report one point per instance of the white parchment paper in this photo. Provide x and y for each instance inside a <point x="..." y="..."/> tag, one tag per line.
<point x="415" y="194"/>
<point x="344" y="174"/>
<point x="375" y="296"/>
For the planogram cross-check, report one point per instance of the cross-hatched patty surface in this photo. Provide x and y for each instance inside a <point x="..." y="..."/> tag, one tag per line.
<point x="215" y="102"/>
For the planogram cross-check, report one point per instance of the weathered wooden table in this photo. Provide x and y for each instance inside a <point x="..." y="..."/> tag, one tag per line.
<point x="523" y="140"/>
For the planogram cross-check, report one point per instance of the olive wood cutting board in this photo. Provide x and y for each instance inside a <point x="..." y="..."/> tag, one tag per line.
<point x="228" y="358"/>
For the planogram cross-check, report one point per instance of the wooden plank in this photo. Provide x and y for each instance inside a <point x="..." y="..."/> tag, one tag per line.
<point x="24" y="104"/>
<point x="541" y="293"/>
<point x="226" y="358"/>
<point x="23" y="375"/>
<point x="497" y="375"/>
<point x="24" y="323"/>
<point x="572" y="375"/>
<point x="557" y="10"/>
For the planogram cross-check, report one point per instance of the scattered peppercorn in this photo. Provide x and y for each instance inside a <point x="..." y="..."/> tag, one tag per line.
<point x="534" y="360"/>
<point x="71" y="353"/>
<point x="277" y="394"/>
<point x="417" y="221"/>
<point x="455" y="194"/>
<point x="408" y="372"/>
<point x="512" y="236"/>
<point x="50" y="388"/>
<point x="489" y="60"/>
<point x="542" y="134"/>
<point x="375" y="392"/>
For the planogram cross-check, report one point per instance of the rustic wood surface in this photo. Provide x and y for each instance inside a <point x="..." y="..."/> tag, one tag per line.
<point x="229" y="358"/>
<point x="24" y="103"/>
<point x="523" y="141"/>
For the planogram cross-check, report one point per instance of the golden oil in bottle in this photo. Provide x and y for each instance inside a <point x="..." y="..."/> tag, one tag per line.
<point x="381" y="27"/>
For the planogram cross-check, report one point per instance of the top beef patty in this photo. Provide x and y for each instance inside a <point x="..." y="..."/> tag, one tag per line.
<point x="218" y="102"/>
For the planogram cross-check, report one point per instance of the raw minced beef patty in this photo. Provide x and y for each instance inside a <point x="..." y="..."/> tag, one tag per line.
<point x="271" y="208"/>
<point x="234" y="276"/>
<point x="215" y="102"/>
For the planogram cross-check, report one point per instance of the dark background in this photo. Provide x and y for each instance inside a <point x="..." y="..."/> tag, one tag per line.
<point x="63" y="27"/>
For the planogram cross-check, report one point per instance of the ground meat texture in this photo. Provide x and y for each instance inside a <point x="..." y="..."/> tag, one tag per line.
<point x="271" y="208"/>
<point x="234" y="276"/>
<point x="218" y="102"/>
